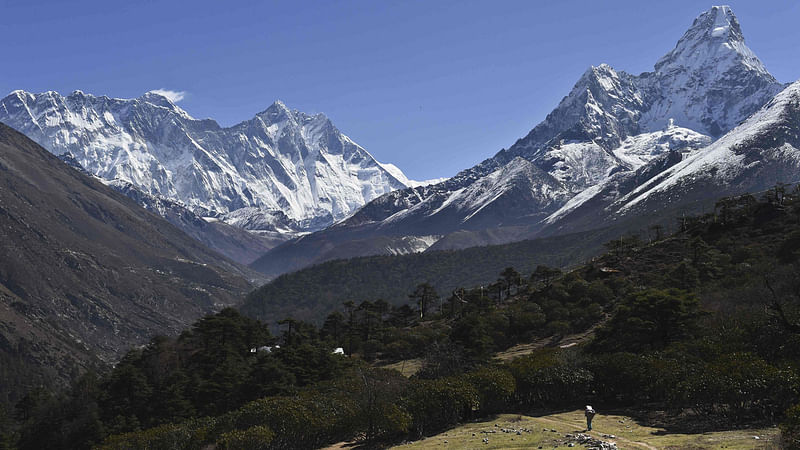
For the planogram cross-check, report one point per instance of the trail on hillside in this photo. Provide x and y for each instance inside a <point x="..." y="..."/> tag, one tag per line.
<point x="615" y="439"/>
<point x="564" y="430"/>
<point x="567" y="341"/>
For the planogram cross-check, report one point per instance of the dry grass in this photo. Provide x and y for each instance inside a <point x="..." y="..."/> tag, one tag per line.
<point x="628" y="434"/>
<point x="406" y="367"/>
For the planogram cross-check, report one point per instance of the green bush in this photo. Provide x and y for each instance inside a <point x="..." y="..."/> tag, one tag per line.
<point x="307" y="420"/>
<point x="164" y="437"/>
<point x="630" y="379"/>
<point x="650" y="320"/>
<point x="495" y="386"/>
<point x="740" y="385"/>
<point x="547" y="379"/>
<point x="374" y="394"/>
<point x="790" y="428"/>
<point x="437" y="404"/>
<point x="289" y="417"/>
<point x="254" y="438"/>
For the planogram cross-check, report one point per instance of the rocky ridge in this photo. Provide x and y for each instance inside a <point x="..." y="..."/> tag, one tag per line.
<point x="282" y="162"/>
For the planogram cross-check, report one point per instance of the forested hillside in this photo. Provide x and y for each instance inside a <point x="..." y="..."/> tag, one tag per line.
<point x="702" y="326"/>
<point x="85" y="273"/>
<point x="310" y="294"/>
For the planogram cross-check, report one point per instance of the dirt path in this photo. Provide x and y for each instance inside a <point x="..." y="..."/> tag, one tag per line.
<point x="565" y="342"/>
<point x="514" y="431"/>
<point x="616" y="439"/>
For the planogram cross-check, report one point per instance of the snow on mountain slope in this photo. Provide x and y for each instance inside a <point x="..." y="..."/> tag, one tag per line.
<point x="752" y="157"/>
<point x="411" y="244"/>
<point x="520" y="182"/>
<point x="255" y="219"/>
<point x="607" y="124"/>
<point x="281" y="161"/>
<point x="612" y="131"/>
<point x="574" y="142"/>
<point x="397" y="173"/>
<point x="769" y="137"/>
<point x="638" y="150"/>
<point x="520" y="178"/>
<point x="711" y="81"/>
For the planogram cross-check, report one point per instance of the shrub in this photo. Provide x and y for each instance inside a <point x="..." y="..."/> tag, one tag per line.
<point x="289" y="417"/>
<point x="546" y="379"/>
<point x="650" y="320"/>
<point x="254" y="438"/>
<point x="495" y="388"/>
<point x="790" y="428"/>
<point x="164" y="437"/>
<point x="375" y="394"/>
<point x="740" y="385"/>
<point x="437" y="404"/>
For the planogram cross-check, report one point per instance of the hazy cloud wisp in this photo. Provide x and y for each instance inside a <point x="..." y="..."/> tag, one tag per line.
<point x="173" y="96"/>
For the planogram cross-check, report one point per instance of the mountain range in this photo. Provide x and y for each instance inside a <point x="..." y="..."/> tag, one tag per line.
<point x="126" y="218"/>
<point x="279" y="174"/>
<point x="611" y="139"/>
<point x="285" y="189"/>
<point x="284" y="174"/>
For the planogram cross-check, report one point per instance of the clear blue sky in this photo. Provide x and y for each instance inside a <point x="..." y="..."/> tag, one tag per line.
<point x="431" y="86"/>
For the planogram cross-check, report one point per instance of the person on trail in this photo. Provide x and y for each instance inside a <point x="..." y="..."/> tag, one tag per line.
<point x="590" y="412"/>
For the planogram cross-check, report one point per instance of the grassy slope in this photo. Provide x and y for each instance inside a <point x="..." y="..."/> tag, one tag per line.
<point x="409" y="367"/>
<point x="628" y="434"/>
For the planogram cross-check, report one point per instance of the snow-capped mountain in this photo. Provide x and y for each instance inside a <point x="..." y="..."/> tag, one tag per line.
<point x="753" y="157"/>
<point x="229" y="239"/>
<point x="711" y="81"/>
<point x="708" y="84"/>
<point x="613" y="130"/>
<point x="282" y="163"/>
<point x="762" y="151"/>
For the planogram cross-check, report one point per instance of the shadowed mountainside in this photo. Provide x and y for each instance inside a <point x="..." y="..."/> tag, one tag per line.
<point x="86" y="273"/>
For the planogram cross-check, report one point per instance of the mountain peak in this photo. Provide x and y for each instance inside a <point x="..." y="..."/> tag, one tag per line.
<point x="160" y="100"/>
<point x="279" y="105"/>
<point x="19" y="94"/>
<point x="157" y="99"/>
<point x="711" y="80"/>
<point x="597" y="72"/>
<point x="723" y="23"/>
<point x="718" y="24"/>
<point x="714" y="38"/>
<point x="277" y="112"/>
